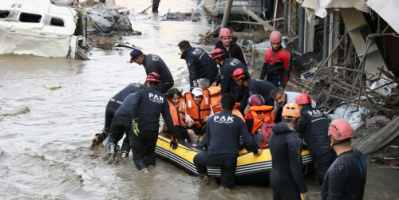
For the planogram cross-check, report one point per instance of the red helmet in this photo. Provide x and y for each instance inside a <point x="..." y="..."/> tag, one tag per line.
<point x="340" y="129"/>
<point x="256" y="100"/>
<point x="275" y="37"/>
<point x="218" y="53"/>
<point x="224" y="32"/>
<point x="153" y="77"/>
<point x="303" y="99"/>
<point x="238" y="74"/>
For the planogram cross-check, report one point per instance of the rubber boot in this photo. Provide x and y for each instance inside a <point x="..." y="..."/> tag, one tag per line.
<point x="98" y="139"/>
<point x="111" y="150"/>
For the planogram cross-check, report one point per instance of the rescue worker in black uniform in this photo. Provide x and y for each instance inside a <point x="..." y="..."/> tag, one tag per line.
<point x="110" y="109"/>
<point x="147" y="106"/>
<point x="313" y="128"/>
<point x="199" y="63"/>
<point x="227" y="67"/>
<point x="251" y="87"/>
<point x="346" y="177"/>
<point x="121" y="123"/>
<point x="221" y="139"/>
<point x="286" y="178"/>
<point x="153" y="63"/>
<point x="231" y="48"/>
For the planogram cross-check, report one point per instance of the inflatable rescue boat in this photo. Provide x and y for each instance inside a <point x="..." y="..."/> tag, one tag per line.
<point x="250" y="169"/>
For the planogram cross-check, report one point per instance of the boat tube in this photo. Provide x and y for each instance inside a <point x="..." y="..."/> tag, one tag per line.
<point x="250" y="169"/>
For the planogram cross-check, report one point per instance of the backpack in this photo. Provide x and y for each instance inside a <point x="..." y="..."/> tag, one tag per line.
<point x="262" y="135"/>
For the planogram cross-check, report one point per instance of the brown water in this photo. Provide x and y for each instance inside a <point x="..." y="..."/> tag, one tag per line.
<point x="45" y="134"/>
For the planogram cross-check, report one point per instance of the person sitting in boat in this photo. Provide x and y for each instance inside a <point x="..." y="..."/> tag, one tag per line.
<point x="113" y="104"/>
<point x="177" y="108"/>
<point x="221" y="140"/>
<point x="258" y="113"/>
<point x="154" y="63"/>
<point x="281" y="98"/>
<point x="147" y="107"/>
<point x="198" y="111"/>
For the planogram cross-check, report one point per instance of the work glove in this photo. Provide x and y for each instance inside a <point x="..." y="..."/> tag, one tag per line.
<point x="135" y="127"/>
<point x="173" y="143"/>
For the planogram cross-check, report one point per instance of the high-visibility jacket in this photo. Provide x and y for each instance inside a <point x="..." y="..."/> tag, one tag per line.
<point x="198" y="113"/>
<point x="178" y="113"/>
<point x="260" y="114"/>
<point x="214" y="92"/>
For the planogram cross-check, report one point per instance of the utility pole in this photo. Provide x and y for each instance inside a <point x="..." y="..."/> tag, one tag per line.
<point x="226" y="13"/>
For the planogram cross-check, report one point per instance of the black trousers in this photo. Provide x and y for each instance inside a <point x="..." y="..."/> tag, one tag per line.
<point x="156" y="5"/>
<point x="120" y="124"/>
<point x="227" y="166"/>
<point x="143" y="147"/>
<point x="109" y="114"/>
<point x="323" y="162"/>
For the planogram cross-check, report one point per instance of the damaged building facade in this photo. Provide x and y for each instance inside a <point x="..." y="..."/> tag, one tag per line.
<point x="357" y="42"/>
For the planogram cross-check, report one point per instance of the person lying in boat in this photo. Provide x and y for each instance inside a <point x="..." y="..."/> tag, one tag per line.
<point x="177" y="108"/>
<point x="112" y="106"/>
<point x="221" y="139"/>
<point x="198" y="111"/>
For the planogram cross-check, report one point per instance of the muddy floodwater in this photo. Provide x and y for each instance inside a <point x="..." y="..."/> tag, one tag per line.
<point x="45" y="134"/>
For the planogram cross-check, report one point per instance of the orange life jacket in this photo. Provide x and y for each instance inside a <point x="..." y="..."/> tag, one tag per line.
<point x="238" y="113"/>
<point x="214" y="92"/>
<point x="178" y="113"/>
<point x="260" y="114"/>
<point x="198" y="114"/>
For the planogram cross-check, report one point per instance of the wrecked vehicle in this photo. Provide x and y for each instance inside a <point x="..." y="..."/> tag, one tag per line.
<point x="39" y="28"/>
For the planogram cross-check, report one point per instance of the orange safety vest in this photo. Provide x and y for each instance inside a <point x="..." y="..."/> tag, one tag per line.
<point x="238" y="113"/>
<point x="178" y="113"/>
<point x="214" y="92"/>
<point x="198" y="114"/>
<point x="260" y="114"/>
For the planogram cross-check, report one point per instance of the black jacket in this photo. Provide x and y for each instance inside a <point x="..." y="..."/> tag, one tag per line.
<point x="147" y="106"/>
<point x="313" y="128"/>
<point x="257" y="86"/>
<point x="233" y="52"/>
<point x="200" y="65"/>
<point x="222" y="135"/>
<point x="346" y="177"/>
<point x="226" y="81"/>
<point x="153" y="63"/>
<point x="285" y="148"/>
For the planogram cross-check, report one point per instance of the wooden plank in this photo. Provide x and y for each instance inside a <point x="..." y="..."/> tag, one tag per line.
<point x="374" y="141"/>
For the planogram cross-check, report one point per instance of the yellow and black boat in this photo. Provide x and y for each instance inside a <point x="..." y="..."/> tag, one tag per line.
<point x="250" y="169"/>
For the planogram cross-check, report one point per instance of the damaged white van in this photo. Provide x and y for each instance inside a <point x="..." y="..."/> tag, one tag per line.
<point x="39" y="28"/>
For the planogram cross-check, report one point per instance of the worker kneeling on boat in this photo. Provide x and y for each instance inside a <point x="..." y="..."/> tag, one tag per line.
<point x="221" y="139"/>
<point x="147" y="106"/>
